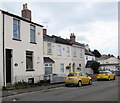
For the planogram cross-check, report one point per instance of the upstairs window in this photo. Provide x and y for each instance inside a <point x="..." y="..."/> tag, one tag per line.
<point x="49" y="48"/>
<point x="81" y="54"/>
<point x="32" y="34"/>
<point x="74" y="52"/>
<point x="68" y="51"/>
<point x="59" y="49"/>
<point x="16" y="29"/>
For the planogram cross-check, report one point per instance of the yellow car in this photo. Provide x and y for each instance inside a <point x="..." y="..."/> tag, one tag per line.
<point x="105" y="75"/>
<point x="78" y="78"/>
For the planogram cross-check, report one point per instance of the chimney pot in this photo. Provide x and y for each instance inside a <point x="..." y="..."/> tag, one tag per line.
<point x="72" y="37"/>
<point x="44" y="31"/>
<point x="25" y="12"/>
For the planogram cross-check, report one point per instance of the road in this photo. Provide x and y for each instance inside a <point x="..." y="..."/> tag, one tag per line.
<point x="98" y="91"/>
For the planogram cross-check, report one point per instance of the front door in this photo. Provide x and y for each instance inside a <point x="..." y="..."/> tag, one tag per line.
<point x="8" y="65"/>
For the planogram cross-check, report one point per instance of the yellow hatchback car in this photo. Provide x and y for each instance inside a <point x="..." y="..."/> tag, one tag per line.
<point x="78" y="78"/>
<point x="105" y="75"/>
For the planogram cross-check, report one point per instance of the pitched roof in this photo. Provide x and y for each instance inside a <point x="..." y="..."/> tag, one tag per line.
<point x="87" y="52"/>
<point x="112" y="64"/>
<point x="60" y="40"/>
<point x="21" y="18"/>
<point x="48" y="60"/>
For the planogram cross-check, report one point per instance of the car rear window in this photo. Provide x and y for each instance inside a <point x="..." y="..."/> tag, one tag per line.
<point x="72" y="74"/>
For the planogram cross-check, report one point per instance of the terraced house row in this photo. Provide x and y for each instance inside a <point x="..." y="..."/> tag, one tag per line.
<point x="28" y="53"/>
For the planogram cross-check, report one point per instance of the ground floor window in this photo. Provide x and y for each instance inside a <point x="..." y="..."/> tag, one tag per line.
<point x="48" y="68"/>
<point x="29" y="60"/>
<point x="61" y="68"/>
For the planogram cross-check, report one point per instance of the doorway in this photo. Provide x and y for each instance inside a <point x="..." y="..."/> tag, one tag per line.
<point x="8" y="65"/>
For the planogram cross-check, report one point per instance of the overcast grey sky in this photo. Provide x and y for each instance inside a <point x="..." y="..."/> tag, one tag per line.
<point x="93" y="23"/>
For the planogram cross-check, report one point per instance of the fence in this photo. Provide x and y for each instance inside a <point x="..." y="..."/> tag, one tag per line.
<point x="55" y="78"/>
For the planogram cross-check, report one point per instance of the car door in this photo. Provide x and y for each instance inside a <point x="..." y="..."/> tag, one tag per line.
<point x="82" y="78"/>
<point x="86" y="78"/>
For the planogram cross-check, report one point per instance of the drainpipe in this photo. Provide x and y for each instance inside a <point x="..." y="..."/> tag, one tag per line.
<point x="3" y="52"/>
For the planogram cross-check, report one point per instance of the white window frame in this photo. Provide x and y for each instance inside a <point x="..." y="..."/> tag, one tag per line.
<point x="81" y="52"/>
<point x="74" y="52"/>
<point x="49" y="48"/>
<point x="59" y="50"/>
<point x="16" y="29"/>
<point x="32" y="34"/>
<point x="48" y="65"/>
<point x="61" y="67"/>
<point x="29" y="54"/>
<point x="68" y="51"/>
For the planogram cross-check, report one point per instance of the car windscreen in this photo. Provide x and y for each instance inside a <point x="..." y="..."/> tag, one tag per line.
<point x="72" y="74"/>
<point x="104" y="72"/>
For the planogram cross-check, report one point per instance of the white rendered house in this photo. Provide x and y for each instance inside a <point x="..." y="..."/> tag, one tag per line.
<point x="21" y="48"/>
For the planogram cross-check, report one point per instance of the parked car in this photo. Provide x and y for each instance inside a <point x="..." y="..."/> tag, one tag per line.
<point x="78" y="79"/>
<point x="106" y="75"/>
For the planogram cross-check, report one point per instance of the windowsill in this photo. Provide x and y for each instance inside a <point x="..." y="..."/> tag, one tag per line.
<point x="49" y="54"/>
<point x="30" y="70"/>
<point x="59" y="55"/>
<point x="16" y="39"/>
<point x="74" y="56"/>
<point x="33" y="43"/>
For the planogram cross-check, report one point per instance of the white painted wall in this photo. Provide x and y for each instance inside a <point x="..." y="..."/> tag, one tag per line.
<point x="110" y="60"/>
<point x="20" y="47"/>
<point x="1" y="50"/>
<point x="66" y="60"/>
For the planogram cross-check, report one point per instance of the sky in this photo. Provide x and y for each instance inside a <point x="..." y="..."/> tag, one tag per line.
<point x="93" y="23"/>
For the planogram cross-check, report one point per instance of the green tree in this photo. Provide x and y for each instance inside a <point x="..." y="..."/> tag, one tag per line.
<point x="95" y="66"/>
<point x="96" y="53"/>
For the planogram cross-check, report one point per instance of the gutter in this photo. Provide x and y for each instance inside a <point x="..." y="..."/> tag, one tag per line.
<point x="3" y="51"/>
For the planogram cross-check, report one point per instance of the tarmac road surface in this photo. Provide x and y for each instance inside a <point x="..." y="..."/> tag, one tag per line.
<point x="98" y="91"/>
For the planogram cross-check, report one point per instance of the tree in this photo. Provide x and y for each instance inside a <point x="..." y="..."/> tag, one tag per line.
<point x="96" y="53"/>
<point x="95" y="66"/>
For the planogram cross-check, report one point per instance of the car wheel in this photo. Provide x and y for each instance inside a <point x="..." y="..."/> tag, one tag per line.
<point x="90" y="82"/>
<point x="66" y="85"/>
<point x="114" y="78"/>
<point x="79" y="84"/>
<point x="109" y="78"/>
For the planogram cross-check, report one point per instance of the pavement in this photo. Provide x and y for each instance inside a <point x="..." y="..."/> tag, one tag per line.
<point x="32" y="89"/>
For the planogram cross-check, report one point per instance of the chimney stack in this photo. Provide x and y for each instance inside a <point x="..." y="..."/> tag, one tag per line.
<point x="25" y="12"/>
<point x="72" y="37"/>
<point x="44" y="31"/>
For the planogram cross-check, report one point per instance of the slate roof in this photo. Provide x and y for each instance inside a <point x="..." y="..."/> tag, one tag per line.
<point x="48" y="60"/>
<point x="60" y="40"/>
<point x="48" y="38"/>
<point x="112" y="64"/>
<point x="21" y="18"/>
<point x="87" y="52"/>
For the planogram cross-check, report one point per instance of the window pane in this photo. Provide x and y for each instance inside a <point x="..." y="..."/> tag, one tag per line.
<point x="62" y="68"/>
<point x="81" y="52"/>
<point x="32" y="33"/>
<point x="49" y="47"/>
<point x="68" y="51"/>
<point x="29" y="60"/>
<point x="16" y="29"/>
<point x="74" y="51"/>
<point x="59" y="49"/>
<point x="48" y="70"/>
